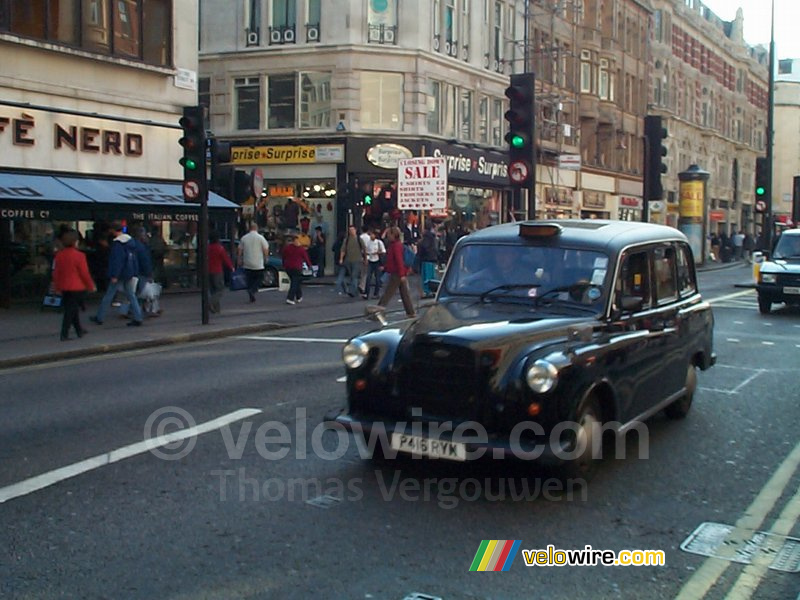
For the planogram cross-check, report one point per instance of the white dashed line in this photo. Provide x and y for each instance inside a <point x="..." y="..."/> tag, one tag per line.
<point x="733" y="340"/>
<point x="768" y="343"/>
<point x="738" y="322"/>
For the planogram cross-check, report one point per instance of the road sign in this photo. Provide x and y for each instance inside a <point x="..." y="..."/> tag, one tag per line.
<point x="518" y="171"/>
<point x="422" y="183"/>
<point x="761" y="206"/>
<point x="191" y="190"/>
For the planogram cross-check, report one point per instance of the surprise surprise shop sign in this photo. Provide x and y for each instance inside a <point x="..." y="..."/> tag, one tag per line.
<point x="53" y="141"/>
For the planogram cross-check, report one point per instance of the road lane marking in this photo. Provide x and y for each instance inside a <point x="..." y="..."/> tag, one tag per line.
<point x="751" y="577"/>
<point x="271" y="338"/>
<point x="768" y="343"/>
<point x="713" y="568"/>
<point x="44" y="480"/>
<point x="342" y="379"/>
<point x="729" y="296"/>
<point x="733" y="340"/>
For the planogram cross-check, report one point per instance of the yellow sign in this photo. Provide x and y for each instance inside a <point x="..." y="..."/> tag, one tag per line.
<point x="286" y="155"/>
<point x="691" y="199"/>
<point x="281" y="190"/>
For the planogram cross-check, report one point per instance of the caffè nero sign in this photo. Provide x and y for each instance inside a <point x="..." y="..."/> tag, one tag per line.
<point x="64" y="142"/>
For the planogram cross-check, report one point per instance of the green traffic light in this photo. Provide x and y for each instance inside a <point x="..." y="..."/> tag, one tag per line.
<point x="190" y="164"/>
<point x="367" y="199"/>
<point x="760" y="191"/>
<point x="517" y="141"/>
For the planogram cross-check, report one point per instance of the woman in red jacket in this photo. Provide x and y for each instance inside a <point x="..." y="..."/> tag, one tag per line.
<point x="218" y="261"/>
<point x="72" y="280"/>
<point x="398" y="273"/>
<point x="294" y="255"/>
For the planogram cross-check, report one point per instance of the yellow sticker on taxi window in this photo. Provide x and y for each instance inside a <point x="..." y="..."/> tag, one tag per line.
<point x="637" y="279"/>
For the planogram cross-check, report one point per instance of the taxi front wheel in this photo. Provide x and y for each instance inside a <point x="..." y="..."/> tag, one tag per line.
<point x="764" y="306"/>
<point x="588" y="418"/>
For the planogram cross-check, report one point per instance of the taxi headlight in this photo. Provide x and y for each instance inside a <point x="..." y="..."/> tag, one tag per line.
<point x="768" y="277"/>
<point x="541" y="376"/>
<point x="355" y="353"/>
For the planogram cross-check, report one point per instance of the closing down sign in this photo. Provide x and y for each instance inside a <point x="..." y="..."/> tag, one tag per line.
<point x="422" y="183"/>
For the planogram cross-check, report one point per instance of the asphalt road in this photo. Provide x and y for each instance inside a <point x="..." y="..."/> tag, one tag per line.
<point x="265" y="505"/>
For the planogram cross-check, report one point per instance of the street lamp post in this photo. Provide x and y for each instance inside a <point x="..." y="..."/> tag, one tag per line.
<point x="766" y="227"/>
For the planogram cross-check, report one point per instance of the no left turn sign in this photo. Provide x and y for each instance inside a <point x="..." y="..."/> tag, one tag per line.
<point x="191" y="190"/>
<point x="518" y="171"/>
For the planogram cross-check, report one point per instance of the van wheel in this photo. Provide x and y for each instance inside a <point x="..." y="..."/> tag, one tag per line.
<point x="680" y="408"/>
<point x="764" y="306"/>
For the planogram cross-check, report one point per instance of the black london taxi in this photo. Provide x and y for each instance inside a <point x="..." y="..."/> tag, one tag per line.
<point x="544" y="336"/>
<point x="779" y="275"/>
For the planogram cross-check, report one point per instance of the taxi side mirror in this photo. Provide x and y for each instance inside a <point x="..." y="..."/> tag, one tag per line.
<point x="631" y="304"/>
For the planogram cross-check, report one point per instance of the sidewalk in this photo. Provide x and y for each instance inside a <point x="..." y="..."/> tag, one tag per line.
<point x="30" y="335"/>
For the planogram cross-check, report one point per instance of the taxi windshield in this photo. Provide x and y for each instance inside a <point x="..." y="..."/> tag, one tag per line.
<point x="498" y="271"/>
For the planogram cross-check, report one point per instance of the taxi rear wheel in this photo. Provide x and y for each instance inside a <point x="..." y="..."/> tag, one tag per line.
<point x="680" y="408"/>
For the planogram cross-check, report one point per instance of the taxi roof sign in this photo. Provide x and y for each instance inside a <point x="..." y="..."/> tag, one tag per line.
<point x="539" y="230"/>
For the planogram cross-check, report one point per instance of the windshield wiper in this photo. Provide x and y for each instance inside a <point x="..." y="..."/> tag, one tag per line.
<point x="506" y="287"/>
<point x="552" y="296"/>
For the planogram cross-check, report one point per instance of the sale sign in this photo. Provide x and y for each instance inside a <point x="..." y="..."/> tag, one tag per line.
<point x="422" y="183"/>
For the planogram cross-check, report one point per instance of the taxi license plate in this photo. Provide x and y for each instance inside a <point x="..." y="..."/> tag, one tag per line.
<point x="431" y="448"/>
<point x="791" y="290"/>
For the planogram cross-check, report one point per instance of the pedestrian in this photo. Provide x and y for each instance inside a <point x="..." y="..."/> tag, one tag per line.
<point x="362" y="280"/>
<point x="294" y="255"/>
<point x="749" y="246"/>
<point x="376" y="257"/>
<point x="253" y="253"/>
<point x="352" y="257"/>
<point x="158" y="250"/>
<point x="427" y="255"/>
<point x="72" y="280"/>
<point x="398" y="273"/>
<point x="339" y="269"/>
<point x="123" y="266"/>
<point x="317" y="251"/>
<point x="144" y="259"/>
<point x="738" y="244"/>
<point x="218" y="262"/>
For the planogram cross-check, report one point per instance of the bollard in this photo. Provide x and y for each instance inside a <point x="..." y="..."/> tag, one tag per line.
<point x="758" y="258"/>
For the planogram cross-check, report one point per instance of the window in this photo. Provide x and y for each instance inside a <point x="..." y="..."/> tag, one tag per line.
<point x="635" y="277"/>
<point x="136" y="29"/>
<point x="247" y="91"/>
<point x="785" y="67"/>
<point x="382" y="21"/>
<point x="314" y="11"/>
<point x="434" y="107"/>
<point x="586" y="71"/>
<point x="658" y="31"/>
<point x="483" y="120"/>
<point x="284" y="13"/>
<point x="381" y="100"/>
<point x="686" y="281"/>
<point x="664" y="272"/>
<point x="497" y="42"/>
<point x="497" y="122"/>
<point x="450" y="24"/>
<point x="603" y="81"/>
<point x="281" y="101"/>
<point x="465" y="29"/>
<point x="315" y="100"/>
<point x="449" y="110"/>
<point x="465" y="115"/>
<point x="204" y="99"/>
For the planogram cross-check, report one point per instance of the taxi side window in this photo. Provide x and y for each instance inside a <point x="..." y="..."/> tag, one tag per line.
<point x="635" y="277"/>
<point x="686" y="281"/>
<point x="664" y="271"/>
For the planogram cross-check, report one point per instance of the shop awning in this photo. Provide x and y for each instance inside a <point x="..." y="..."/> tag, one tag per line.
<point x="31" y="196"/>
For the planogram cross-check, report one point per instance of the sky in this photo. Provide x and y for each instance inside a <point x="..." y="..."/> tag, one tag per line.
<point x="757" y="22"/>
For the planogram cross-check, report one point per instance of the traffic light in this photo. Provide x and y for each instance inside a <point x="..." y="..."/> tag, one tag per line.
<point x="221" y="173"/>
<point x="521" y="121"/>
<point x="762" y="177"/>
<point x="367" y="199"/>
<point x="194" y="154"/>
<point x="655" y="151"/>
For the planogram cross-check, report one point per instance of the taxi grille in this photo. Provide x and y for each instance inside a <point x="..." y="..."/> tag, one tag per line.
<point x="442" y="380"/>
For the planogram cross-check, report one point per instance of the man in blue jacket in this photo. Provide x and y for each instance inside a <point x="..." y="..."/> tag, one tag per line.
<point x="123" y="266"/>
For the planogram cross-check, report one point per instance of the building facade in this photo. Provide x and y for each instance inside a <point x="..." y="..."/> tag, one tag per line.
<point x="711" y="89"/>
<point x="786" y="153"/>
<point x="90" y="96"/>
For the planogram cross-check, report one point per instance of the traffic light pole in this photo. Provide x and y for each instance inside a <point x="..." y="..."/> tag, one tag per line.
<point x="202" y="257"/>
<point x="767" y="226"/>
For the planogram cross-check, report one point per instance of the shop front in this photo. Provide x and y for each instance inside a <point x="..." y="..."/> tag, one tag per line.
<point x="294" y="188"/>
<point x="35" y="208"/>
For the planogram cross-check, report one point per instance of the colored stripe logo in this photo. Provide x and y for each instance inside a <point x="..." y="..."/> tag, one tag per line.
<point x="495" y="555"/>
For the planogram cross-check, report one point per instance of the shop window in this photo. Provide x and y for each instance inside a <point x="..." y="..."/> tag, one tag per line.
<point x="281" y="101"/>
<point x="381" y="100"/>
<point x="315" y="100"/>
<point x="248" y="101"/>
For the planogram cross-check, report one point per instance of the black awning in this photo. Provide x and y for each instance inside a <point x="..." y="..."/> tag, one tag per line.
<point x="56" y="196"/>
